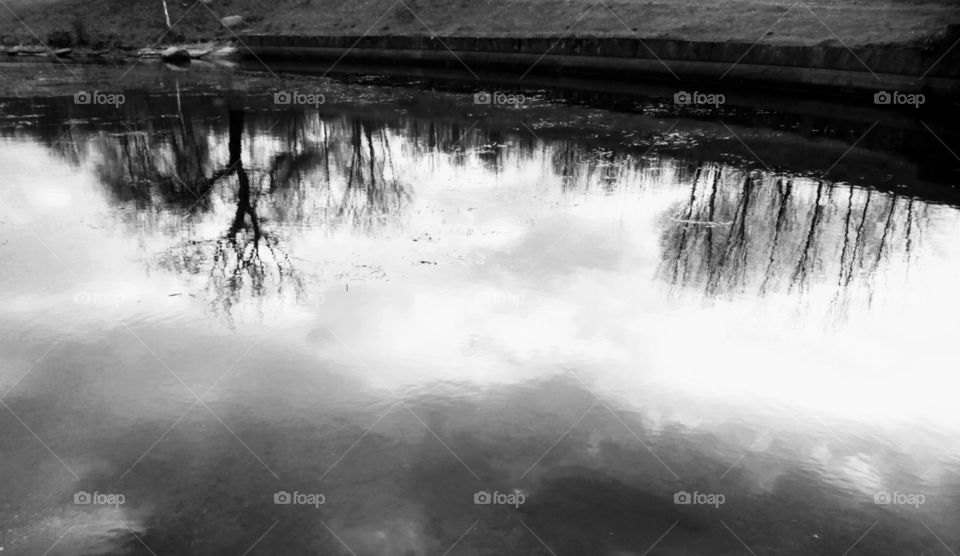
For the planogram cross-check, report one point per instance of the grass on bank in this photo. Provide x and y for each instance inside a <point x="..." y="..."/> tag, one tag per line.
<point x="104" y="23"/>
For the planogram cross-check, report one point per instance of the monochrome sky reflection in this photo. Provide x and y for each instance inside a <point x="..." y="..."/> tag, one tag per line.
<point x="760" y="333"/>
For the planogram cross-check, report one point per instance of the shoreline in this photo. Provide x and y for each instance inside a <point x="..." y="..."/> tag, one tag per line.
<point x="825" y="69"/>
<point x="829" y="69"/>
<point x="199" y="50"/>
<point x="773" y="129"/>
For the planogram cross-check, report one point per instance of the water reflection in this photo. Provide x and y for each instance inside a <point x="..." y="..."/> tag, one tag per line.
<point x="248" y="257"/>
<point x="410" y="305"/>
<point x="738" y="230"/>
<point x="749" y="233"/>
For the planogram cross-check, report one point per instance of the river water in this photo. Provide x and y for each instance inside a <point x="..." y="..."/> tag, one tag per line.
<point x="403" y="323"/>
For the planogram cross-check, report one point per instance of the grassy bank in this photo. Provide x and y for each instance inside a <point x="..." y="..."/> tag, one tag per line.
<point x="101" y="23"/>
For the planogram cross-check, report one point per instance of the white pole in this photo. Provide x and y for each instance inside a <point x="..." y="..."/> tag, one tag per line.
<point x="166" y="14"/>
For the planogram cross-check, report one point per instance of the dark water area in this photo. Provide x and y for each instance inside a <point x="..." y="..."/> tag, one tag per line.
<point x="401" y="323"/>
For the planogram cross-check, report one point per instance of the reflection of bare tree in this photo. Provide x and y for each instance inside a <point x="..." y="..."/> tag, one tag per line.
<point x="247" y="256"/>
<point x="682" y="235"/>
<point x="737" y="233"/>
<point x="878" y="221"/>
<point x="569" y="163"/>
<point x="707" y="240"/>
<point x="130" y="167"/>
<point x="373" y="193"/>
<point x="782" y="207"/>
<point x="159" y="165"/>
<point x="779" y="237"/>
<point x="805" y="263"/>
<point x="294" y="166"/>
<point x="730" y="272"/>
<point x="732" y="232"/>
<point x="312" y="172"/>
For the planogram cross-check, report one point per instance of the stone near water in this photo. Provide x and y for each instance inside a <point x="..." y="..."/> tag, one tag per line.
<point x="232" y="20"/>
<point x="175" y="55"/>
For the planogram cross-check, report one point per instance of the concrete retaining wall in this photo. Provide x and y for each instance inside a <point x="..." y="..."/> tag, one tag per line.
<point x="892" y="67"/>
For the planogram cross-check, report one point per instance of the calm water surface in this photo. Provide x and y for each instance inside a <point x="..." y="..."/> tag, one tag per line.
<point x="400" y="299"/>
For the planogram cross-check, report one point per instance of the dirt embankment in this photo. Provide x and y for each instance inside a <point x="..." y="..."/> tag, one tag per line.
<point x="110" y="23"/>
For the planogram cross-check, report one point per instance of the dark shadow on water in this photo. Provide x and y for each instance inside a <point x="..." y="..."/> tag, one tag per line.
<point x="400" y="491"/>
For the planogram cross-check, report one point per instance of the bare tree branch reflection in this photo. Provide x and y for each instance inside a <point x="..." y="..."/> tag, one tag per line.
<point x="781" y="236"/>
<point x="782" y="210"/>
<point x="264" y="175"/>
<point x="307" y="174"/>
<point x="807" y="261"/>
